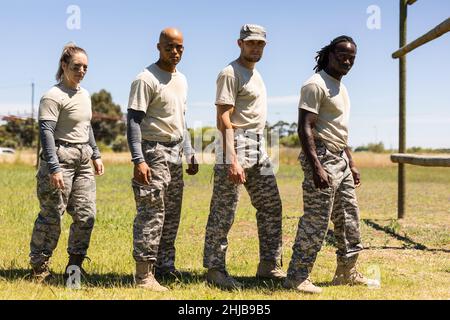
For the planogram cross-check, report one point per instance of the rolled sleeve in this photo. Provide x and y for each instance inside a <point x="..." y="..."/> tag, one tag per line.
<point x="140" y="96"/>
<point x="311" y="97"/>
<point x="226" y="90"/>
<point x="48" y="110"/>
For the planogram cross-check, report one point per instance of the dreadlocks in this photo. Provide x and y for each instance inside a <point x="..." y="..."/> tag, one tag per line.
<point x="322" y="55"/>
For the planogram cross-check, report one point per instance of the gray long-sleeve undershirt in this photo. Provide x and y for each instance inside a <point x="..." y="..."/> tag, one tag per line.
<point x="47" y="135"/>
<point x="134" y="137"/>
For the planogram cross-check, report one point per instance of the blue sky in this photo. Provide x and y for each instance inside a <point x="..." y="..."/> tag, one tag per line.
<point x="120" y="38"/>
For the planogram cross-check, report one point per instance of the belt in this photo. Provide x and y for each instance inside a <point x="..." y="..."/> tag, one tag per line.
<point x="320" y="143"/>
<point x="169" y="144"/>
<point x="68" y="144"/>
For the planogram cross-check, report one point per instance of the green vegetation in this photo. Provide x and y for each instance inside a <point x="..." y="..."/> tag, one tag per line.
<point x="412" y="255"/>
<point x="107" y="121"/>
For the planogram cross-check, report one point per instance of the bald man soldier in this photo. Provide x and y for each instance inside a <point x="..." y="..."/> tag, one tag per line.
<point x="157" y="136"/>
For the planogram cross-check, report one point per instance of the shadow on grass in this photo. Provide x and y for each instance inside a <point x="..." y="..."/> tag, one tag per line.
<point x="186" y="277"/>
<point x="114" y="280"/>
<point x="267" y="286"/>
<point x="408" y="242"/>
<point x="15" y="274"/>
<point x="108" y="280"/>
<point x="199" y="277"/>
<point x="95" y="280"/>
<point x="260" y="284"/>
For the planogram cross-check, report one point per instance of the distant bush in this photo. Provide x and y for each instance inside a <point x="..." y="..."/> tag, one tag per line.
<point x="376" y="147"/>
<point x="120" y="144"/>
<point x="9" y="144"/>
<point x="103" y="147"/>
<point x="372" y="147"/>
<point x="361" y="149"/>
<point x="291" y="141"/>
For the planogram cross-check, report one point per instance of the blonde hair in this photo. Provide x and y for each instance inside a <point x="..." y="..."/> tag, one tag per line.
<point x="67" y="54"/>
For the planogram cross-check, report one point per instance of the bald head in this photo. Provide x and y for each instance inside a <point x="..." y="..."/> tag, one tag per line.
<point x="170" y="48"/>
<point x="170" y="34"/>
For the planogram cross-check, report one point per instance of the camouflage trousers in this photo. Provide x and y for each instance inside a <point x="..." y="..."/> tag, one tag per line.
<point x="78" y="198"/>
<point x="158" y="206"/>
<point x="337" y="202"/>
<point x="262" y="187"/>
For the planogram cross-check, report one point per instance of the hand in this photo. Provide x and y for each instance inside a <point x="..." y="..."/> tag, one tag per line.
<point x="356" y="176"/>
<point x="236" y="173"/>
<point x="57" y="181"/>
<point x="321" y="179"/>
<point x="192" y="167"/>
<point x="142" y="173"/>
<point x="99" y="167"/>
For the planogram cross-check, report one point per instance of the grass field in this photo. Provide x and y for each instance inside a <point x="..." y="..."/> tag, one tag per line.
<point x="412" y="255"/>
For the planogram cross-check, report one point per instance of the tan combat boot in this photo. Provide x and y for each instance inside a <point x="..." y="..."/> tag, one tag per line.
<point x="145" y="279"/>
<point x="222" y="279"/>
<point x="41" y="272"/>
<point x="301" y="285"/>
<point x="346" y="274"/>
<point x="270" y="270"/>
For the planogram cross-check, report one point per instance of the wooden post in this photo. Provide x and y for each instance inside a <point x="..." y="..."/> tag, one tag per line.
<point x="434" y="33"/>
<point x="419" y="160"/>
<point x="402" y="110"/>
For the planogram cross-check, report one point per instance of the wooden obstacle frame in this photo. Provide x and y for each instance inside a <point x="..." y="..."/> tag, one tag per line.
<point x="402" y="158"/>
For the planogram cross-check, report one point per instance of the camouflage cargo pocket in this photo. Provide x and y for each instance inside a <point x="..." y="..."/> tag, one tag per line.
<point x="64" y="155"/>
<point x="144" y="192"/>
<point x="86" y="154"/>
<point x="43" y="169"/>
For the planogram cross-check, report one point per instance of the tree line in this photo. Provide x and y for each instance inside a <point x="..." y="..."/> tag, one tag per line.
<point x="109" y="126"/>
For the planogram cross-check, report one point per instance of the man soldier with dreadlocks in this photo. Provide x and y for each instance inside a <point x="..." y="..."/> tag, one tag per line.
<point x="329" y="171"/>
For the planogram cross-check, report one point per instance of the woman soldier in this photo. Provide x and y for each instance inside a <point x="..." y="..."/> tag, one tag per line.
<point x="65" y="180"/>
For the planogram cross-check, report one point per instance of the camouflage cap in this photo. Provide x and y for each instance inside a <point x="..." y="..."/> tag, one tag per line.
<point x="252" y="32"/>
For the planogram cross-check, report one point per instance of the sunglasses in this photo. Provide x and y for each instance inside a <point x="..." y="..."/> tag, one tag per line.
<point x="77" y="67"/>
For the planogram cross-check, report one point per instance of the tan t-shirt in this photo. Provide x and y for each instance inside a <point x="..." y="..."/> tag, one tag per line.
<point x="162" y="96"/>
<point x="328" y="98"/>
<point x="245" y="90"/>
<point x="72" y="111"/>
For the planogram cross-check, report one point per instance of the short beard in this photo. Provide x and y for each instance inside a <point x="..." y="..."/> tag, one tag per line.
<point x="252" y="60"/>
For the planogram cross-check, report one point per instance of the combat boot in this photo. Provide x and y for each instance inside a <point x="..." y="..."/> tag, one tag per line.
<point x="301" y="285"/>
<point x="270" y="270"/>
<point x="75" y="260"/>
<point x="145" y="279"/>
<point x="41" y="272"/>
<point x="222" y="279"/>
<point x="346" y="274"/>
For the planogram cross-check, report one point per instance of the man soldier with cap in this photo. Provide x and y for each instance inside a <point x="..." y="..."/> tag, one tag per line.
<point x="330" y="173"/>
<point x="241" y="102"/>
<point x="156" y="130"/>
